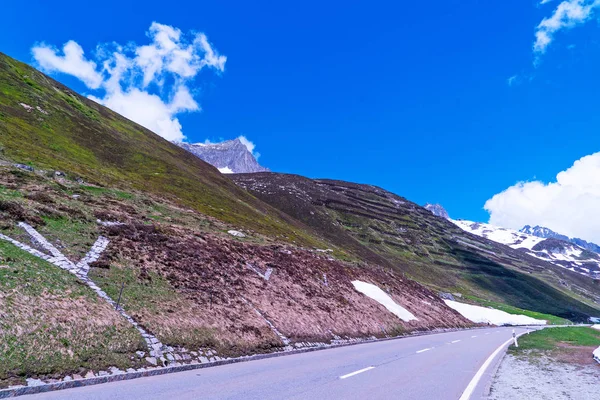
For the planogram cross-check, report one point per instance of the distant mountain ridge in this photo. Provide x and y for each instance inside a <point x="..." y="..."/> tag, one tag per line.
<point x="547" y="233"/>
<point x="561" y="252"/>
<point x="230" y="156"/>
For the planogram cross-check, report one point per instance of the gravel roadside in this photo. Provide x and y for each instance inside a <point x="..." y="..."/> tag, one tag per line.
<point x="544" y="378"/>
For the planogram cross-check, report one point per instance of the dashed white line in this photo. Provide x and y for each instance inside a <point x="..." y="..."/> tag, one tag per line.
<point x="455" y="341"/>
<point x="473" y="336"/>
<point x="360" y="371"/>
<point x="487" y="333"/>
<point x="424" y="350"/>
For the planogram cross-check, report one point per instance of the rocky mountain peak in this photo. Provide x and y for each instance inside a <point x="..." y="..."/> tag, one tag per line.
<point x="546" y="233"/>
<point x="230" y="156"/>
<point x="438" y="210"/>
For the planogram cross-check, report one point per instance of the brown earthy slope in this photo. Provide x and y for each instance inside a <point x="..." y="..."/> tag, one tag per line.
<point x="383" y="228"/>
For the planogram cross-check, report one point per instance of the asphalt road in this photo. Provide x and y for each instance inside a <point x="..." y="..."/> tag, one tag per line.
<point x="438" y="366"/>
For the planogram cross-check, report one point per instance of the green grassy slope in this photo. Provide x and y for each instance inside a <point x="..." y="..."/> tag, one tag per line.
<point x="67" y="132"/>
<point x="383" y="228"/>
<point x="551" y="338"/>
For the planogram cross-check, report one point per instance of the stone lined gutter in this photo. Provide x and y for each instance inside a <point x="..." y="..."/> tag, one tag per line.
<point x="49" y="387"/>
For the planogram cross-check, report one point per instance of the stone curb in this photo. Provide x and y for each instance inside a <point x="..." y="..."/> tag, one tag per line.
<point x="49" y="387"/>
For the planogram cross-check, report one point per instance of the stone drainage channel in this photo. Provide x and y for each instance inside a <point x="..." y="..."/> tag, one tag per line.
<point x="159" y="354"/>
<point x="156" y="349"/>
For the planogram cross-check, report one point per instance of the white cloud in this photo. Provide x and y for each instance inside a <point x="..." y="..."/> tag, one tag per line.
<point x="148" y="84"/>
<point x="545" y="2"/>
<point x="249" y="145"/>
<point x="512" y="80"/>
<point x="73" y="62"/>
<point x="568" y="206"/>
<point x="567" y="14"/>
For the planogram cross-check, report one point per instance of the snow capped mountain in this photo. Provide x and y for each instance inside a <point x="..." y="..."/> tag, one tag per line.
<point x="438" y="210"/>
<point x="560" y="252"/>
<point x="231" y="156"/>
<point x="543" y="232"/>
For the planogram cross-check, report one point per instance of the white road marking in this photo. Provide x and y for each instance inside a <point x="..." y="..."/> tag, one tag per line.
<point x="455" y="341"/>
<point x="487" y="333"/>
<point x="473" y="336"/>
<point x="424" y="350"/>
<point x="473" y="384"/>
<point x="360" y="371"/>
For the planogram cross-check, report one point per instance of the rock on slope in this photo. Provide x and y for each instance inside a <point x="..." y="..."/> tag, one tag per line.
<point x="560" y="252"/>
<point x="382" y="228"/>
<point x="231" y="156"/>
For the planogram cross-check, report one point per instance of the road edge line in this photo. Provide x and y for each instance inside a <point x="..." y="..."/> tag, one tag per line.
<point x="468" y="392"/>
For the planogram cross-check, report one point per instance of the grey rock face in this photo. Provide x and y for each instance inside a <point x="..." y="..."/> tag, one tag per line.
<point x="546" y="233"/>
<point x="230" y="156"/>
<point x="437" y="209"/>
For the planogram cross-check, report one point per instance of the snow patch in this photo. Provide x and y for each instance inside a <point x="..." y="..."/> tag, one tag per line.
<point x="236" y="233"/>
<point x="225" y="170"/>
<point x="486" y="315"/>
<point x="596" y="326"/>
<point x="384" y="299"/>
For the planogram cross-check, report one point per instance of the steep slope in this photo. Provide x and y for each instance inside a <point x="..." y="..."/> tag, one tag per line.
<point x="125" y="245"/>
<point x="383" y="228"/>
<point x="546" y="233"/>
<point x="48" y="126"/>
<point x="231" y="156"/>
<point x="559" y="252"/>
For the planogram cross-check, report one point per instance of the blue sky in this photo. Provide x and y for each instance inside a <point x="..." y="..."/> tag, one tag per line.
<point x="410" y="96"/>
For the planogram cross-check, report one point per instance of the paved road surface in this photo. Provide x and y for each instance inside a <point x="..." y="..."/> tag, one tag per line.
<point x="438" y="366"/>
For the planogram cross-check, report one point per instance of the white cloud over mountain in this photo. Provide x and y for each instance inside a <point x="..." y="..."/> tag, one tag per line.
<point x="569" y="205"/>
<point x="149" y="84"/>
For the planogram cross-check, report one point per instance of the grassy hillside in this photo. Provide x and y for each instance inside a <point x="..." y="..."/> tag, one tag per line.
<point x="51" y="325"/>
<point x="46" y="125"/>
<point x="184" y="279"/>
<point x="383" y="228"/>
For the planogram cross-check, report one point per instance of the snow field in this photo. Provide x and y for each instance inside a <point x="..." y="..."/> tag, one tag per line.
<point x="486" y="315"/>
<point x="384" y="299"/>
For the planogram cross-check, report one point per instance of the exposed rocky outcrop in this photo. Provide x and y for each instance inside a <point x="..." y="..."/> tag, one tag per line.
<point x="231" y="156"/>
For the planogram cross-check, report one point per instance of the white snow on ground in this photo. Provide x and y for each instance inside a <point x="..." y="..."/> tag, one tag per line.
<point x="486" y="315"/>
<point x="384" y="299"/>
<point x="570" y="253"/>
<point x="596" y="326"/>
<point x="505" y="236"/>
<point x="225" y="170"/>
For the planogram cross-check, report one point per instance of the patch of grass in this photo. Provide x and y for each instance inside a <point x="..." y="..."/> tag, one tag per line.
<point x="137" y="293"/>
<point x="75" y="237"/>
<point x="550" y="338"/>
<point x="152" y="300"/>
